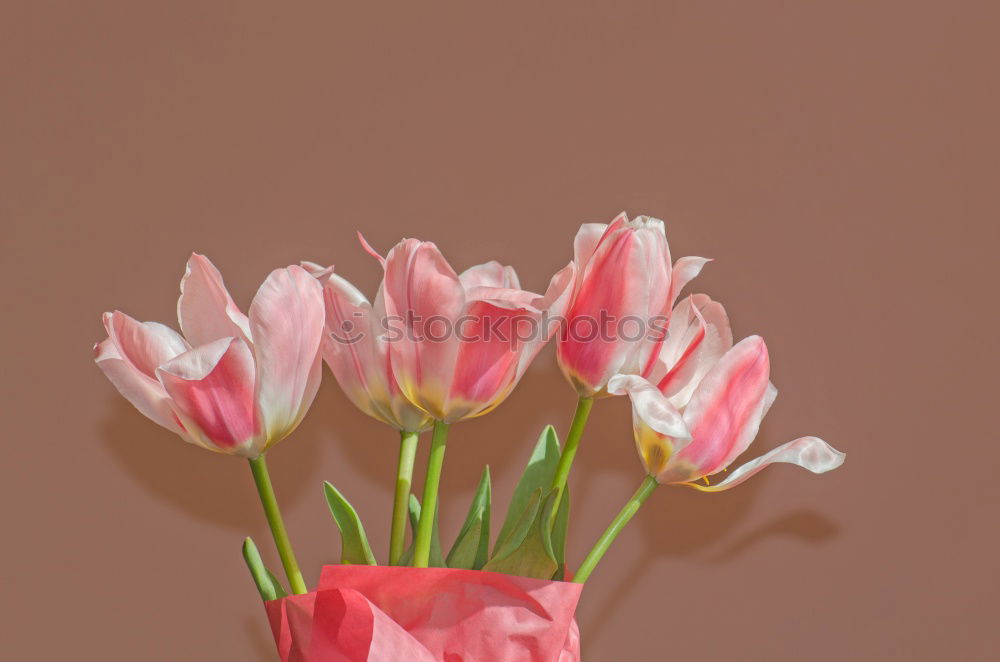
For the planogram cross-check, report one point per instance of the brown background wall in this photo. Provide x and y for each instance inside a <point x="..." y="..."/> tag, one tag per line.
<point x="839" y="160"/>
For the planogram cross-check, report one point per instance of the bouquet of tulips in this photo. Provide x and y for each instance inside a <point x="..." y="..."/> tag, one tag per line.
<point x="433" y="348"/>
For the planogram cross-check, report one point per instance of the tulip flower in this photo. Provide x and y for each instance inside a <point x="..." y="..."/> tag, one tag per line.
<point x="356" y="351"/>
<point x="458" y="344"/>
<point x="462" y="343"/>
<point x="625" y="289"/>
<point x="703" y="412"/>
<point x="232" y="383"/>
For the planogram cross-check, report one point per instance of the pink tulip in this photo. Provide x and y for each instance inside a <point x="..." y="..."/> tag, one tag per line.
<point x="625" y="289"/>
<point x="232" y="383"/>
<point x="458" y="344"/>
<point x="357" y="353"/>
<point x="704" y="401"/>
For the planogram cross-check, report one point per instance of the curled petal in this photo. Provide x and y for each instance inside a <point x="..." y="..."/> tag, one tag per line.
<point x="205" y="310"/>
<point x="490" y="274"/>
<point x="317" y="271"/>
<point x="650" y="406"/>
<point x="685" y="270"/>
<point x="676" y="363"/>
<point x="145" y="345"/>
<point x="697" y="338"/>
<point x="727" y="406"/>
<point x="717" y="321"/>
<point x="368" y="249"/>
<point x="286" y="319"/>
<point x="212" y="389"/>
<point x="809" y="453"/>
<point x="503" y="296"/>
<point x="144" y="392"/>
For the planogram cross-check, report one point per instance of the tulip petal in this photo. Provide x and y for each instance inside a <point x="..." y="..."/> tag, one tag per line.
<point x="350" y="347"/>
<point x="684" y="359"/>
<point x="407" y="415"/>
<point x="590" y="350"/>
<point x="359" y="359"/>
<point x="145" y="394"/>
<point x="558" y="295"/>
<point x="553" y="305"/>
<point x="504" y="296"/>
<point x="145" y="345"/>
<point x="212" y="389"/>
<point x="586" y="241"/>
<point x="486" y="368"/>
<point x="205" y="310"/>
<point x="489" y="274"/>
<point x="286" y="319"/>
<point x="685" y="270"/>
<point x="727" y="406"/>
<point x="423" y="295"/>
<point x="650" y="406"/>
<point x="368" y="249"/>
<point x="676" y="364"/>
<point x="317" y="271"/>
<point x="809" y="453"/>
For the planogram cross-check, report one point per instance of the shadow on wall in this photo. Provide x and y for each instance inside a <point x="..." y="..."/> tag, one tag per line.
<point x="684" y="523"/>
<point x="215" y="487"/>
<point x="218" y="488"/>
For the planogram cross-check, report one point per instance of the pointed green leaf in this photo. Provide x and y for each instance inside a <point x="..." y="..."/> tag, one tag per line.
<point x="559" y="527"/>
<point x="539" y="474"/>
<point x="354" y="547"/>
<point x="436" y="559"/>
<point x="267" y="584"/>
<point x="472" y="546"/>
<point x="520" y="529"/>
<point x="533" y="556"/>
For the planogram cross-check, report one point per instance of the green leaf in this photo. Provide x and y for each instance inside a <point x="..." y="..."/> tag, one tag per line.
<point x="520" y="529"/>
<point x="472" y="546"/>
<point x="533" y="556"/>
<point x="538" y="475"/>
<point x="559" y="527"/>
<point x="436" y="559"/>
<point x="279" y="590"/>
<point x="354" y="547"/>
<point x="267" y="584"/>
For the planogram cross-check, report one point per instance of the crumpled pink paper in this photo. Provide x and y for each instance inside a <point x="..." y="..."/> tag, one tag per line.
<point x="387" y="614"/>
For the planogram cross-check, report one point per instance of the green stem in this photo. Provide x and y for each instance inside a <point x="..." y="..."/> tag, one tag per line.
<point x="266" y="491"/>
<point x="428" y="505"/>
<point x="404" y="478"/>
<point x="604" y="542"/>
<point x="583" y="407"/>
